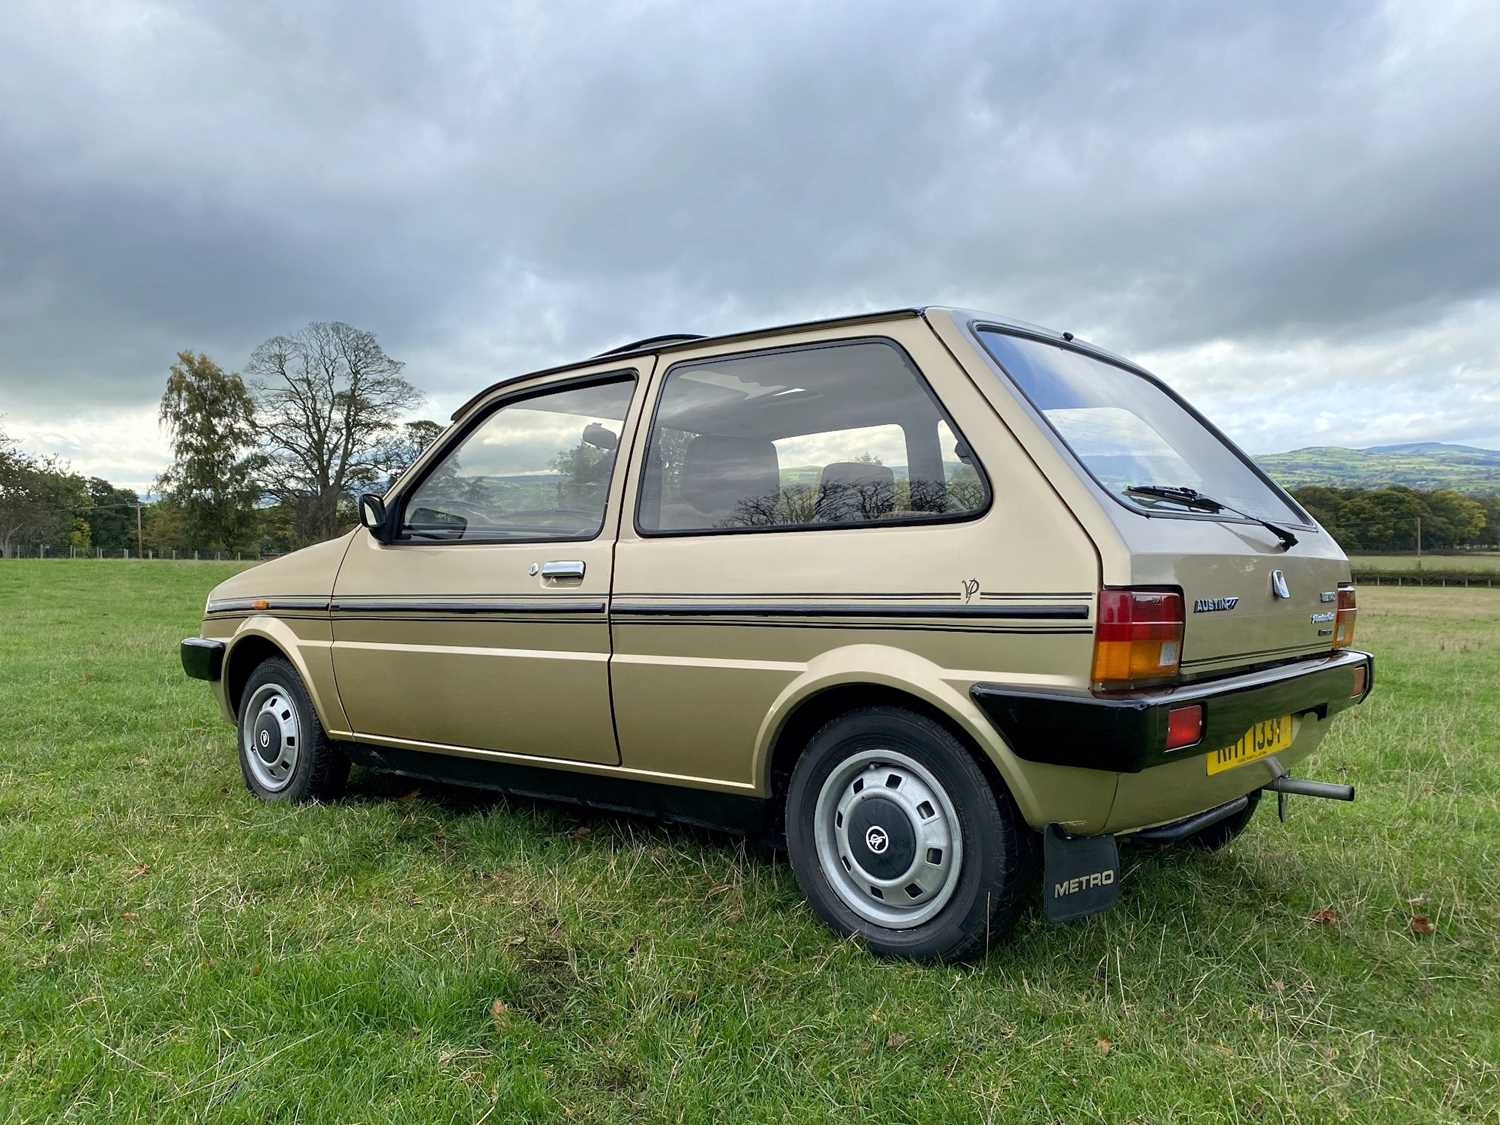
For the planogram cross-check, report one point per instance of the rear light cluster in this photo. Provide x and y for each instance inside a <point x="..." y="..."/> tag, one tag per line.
<point x="1138" y="640"/>
<point x="1343" y="622"/>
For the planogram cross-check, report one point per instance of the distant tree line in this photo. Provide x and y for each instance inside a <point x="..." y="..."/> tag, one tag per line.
<point x="274" y="462"/>
<point x="260" y="465"/>
<point x="1386" y="519"/>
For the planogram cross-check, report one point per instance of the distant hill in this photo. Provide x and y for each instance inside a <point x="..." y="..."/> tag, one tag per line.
<point x="1421" y="464"/>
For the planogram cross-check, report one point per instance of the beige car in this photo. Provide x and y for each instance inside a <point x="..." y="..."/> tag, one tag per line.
<point x="948" y="600"/>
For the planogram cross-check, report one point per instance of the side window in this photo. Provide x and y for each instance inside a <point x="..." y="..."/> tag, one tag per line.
<point x="823" y="436"/>
<point x="537" y="468"/>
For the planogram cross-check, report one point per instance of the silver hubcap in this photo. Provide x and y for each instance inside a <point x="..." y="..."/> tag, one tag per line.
<point x="271" y="736"/>
<point x="888" y="838"/>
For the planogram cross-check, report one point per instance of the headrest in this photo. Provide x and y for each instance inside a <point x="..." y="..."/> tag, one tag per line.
<point x="732" y="480"/>
<point x="853" y="491"/>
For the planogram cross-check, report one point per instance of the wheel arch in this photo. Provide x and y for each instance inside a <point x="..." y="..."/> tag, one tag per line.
<point x="264" y="638"/>
<point x="869" y="675"/>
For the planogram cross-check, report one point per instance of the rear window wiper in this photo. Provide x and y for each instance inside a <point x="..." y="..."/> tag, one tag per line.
<point x="1192" y="498"/>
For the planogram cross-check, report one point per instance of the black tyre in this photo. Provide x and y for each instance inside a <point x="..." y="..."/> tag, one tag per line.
<point x="284" y="753"/>
<point x="1215" y="836"/>
<point x="897" y="838"/>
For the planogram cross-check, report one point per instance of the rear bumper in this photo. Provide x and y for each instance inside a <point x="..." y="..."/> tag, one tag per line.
<point x="1127" y="733"/>
<point x="202" y="659"/>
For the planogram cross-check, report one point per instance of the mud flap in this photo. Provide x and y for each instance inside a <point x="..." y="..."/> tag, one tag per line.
<point x="1080" y="874"/>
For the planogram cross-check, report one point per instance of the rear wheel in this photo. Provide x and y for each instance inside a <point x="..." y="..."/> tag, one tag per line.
<point x="284" y="754"/>
<point x="1216" y="836"/>
<point x="897" y="837"/>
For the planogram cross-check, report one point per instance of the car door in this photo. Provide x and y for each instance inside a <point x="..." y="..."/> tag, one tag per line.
<point x="483" y="625"/>
<point x="813" y="507"/>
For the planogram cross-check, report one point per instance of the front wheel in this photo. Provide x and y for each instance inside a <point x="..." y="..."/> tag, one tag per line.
<point x="897" y="837"/>
<point x="284" y="754"/>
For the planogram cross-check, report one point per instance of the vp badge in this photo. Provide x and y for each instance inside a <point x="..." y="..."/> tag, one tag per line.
<point x="1278" y="585"/>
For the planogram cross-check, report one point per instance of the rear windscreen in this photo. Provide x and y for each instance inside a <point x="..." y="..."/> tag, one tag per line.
<point x="1128" y="431"/>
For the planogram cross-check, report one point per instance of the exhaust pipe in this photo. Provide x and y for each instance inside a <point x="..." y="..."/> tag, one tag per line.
<point x="1304" y="788"/>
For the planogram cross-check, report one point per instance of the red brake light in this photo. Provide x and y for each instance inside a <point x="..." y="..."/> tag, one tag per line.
<point x="1138" y="639"/>
<point x="1184" y="726"/>
<point x="1343" y="623"/>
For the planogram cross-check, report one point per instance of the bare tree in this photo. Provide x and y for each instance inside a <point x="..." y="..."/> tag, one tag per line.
<point x="327" y="399"/>
<point x="408" y="442"/>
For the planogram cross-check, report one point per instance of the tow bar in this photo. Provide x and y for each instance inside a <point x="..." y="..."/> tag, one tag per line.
<point x="1286" y="785"/>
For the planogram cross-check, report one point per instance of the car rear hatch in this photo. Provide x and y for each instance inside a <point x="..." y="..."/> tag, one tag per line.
<point x="1259" y="578"/>
<point x="1257" y="606"/>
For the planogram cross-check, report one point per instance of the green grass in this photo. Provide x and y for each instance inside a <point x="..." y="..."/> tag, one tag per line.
<point x="1478" y="563"/>
<point x="1430" y="464"/>
<point x="174" y="951"/>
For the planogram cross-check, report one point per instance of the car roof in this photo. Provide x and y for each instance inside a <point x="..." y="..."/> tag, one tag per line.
<point x="654" y="345"/>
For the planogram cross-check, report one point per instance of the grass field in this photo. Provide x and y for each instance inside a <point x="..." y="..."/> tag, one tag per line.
<point x="174" y="951"/>
<point x="1463" y="562"/>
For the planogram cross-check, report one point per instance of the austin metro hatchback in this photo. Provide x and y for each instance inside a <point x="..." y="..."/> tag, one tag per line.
<point x="944" y="601"/>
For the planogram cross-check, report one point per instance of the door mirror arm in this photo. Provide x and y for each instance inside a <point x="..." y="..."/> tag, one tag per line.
<point x="373" y="515"/>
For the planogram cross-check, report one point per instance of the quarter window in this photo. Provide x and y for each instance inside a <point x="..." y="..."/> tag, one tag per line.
<point x="537" y="468"/>
<point x="830" y="436"/>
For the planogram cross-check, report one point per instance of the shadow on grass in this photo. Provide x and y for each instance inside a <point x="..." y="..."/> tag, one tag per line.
<point x="558" y="816"/>
<point x="1161" y="881"/>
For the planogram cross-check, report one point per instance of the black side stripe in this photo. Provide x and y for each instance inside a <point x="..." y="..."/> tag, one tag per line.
<point x="232" y="605"/>
<point x="793" y="609"/>
<point x="849" y="595"/>
<point x="373" y="605"/>
<point x="867" y="626"/>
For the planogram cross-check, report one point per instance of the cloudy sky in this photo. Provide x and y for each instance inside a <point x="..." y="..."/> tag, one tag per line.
<point x="1291" y="212"/>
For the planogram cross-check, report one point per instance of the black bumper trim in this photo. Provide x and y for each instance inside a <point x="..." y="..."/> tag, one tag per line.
<point x="202" y="659"/>
<point x="1126" y="733"/>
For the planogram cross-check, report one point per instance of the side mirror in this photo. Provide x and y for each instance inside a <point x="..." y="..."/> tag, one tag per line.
<point x="372" y="515"/>
<point x="600" y="437"/>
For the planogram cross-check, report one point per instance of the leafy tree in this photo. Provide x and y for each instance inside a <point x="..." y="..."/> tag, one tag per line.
<point x="1385" y="519"/>
<point x="111" y="516"/>
<point x="165" y="528"/>
<point x="1489" y="535"/>
<point x="211" y="419"/>
<point x="1451" y="519"/>
<point x="40" y="500"/>
<point x="328" y="400"/>
<point x="276" y="533"/>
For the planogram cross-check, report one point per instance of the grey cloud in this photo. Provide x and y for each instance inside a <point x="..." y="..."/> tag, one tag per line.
<point x="492" y="188"/>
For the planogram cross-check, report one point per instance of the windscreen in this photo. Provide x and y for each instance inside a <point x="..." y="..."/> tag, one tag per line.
<point x="1127" y="431"/>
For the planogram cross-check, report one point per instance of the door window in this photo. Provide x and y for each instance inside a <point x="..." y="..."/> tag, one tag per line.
<point x="536" y="468"/>
<point x="825" y="436"/>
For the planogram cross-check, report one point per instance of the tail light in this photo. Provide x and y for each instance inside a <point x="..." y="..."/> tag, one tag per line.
<point x="1139" y="638"/>
<point x="1343" y="622"/>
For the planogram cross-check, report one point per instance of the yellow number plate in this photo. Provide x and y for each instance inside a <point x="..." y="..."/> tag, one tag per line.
<point x="1261" y="741"/>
